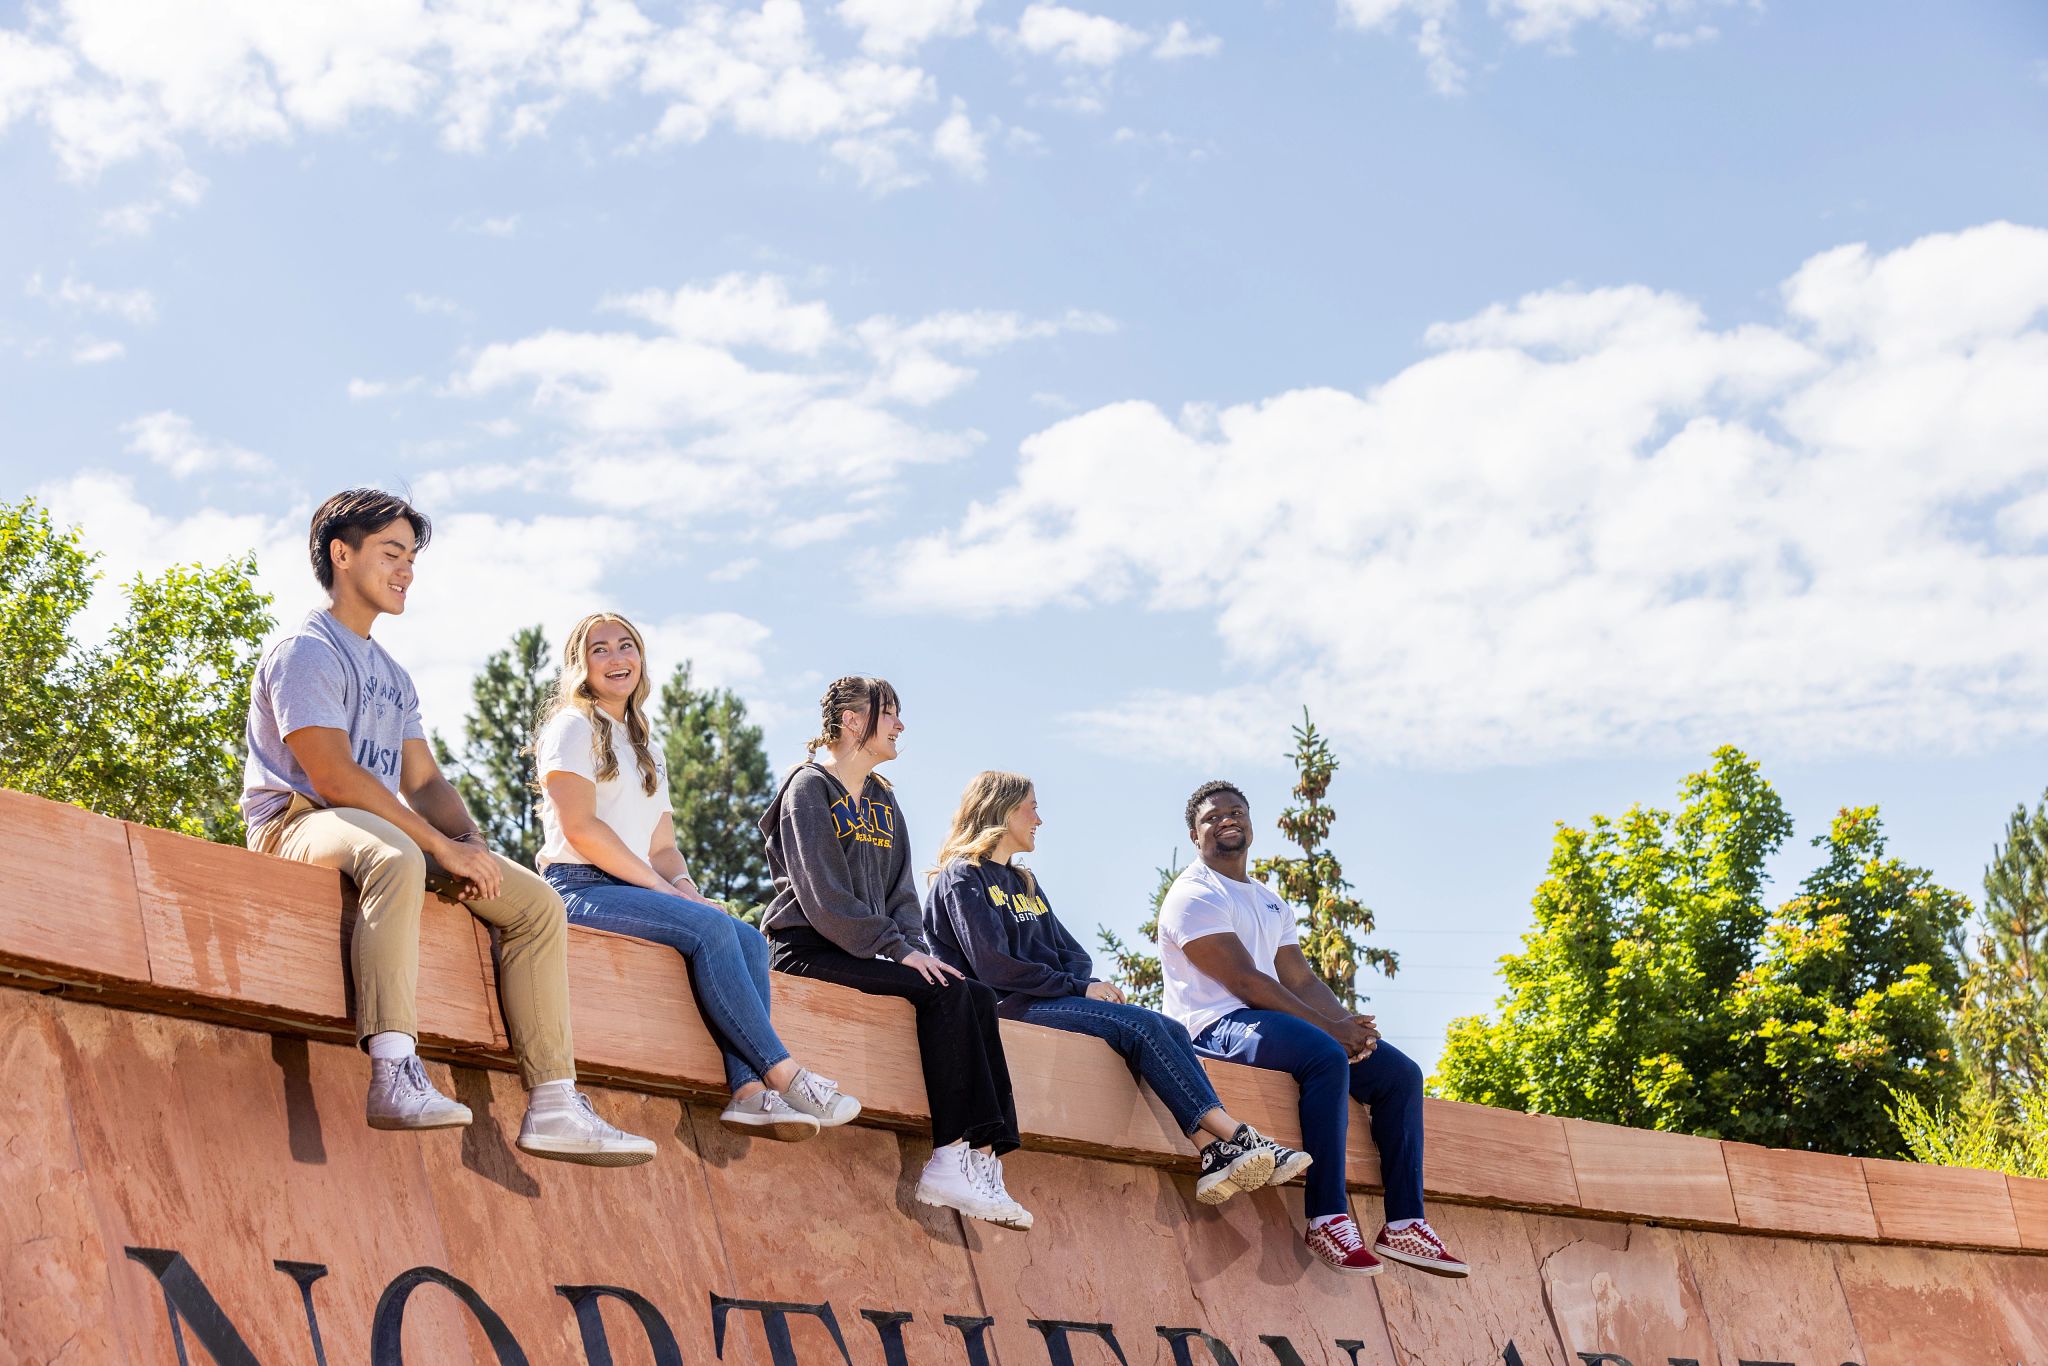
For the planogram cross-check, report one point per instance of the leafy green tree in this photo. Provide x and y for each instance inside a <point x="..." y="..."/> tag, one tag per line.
<point x="2007" y="1133"/>
<point x="1332" y="921"/>
<point x="495" y="771"/>
<point x="1137" y="972"/>
<point x="147" y="726"/>
<point x="719" y="786"/>
<point x="1657" y="989"/>
<point x="2002" y="1021"/>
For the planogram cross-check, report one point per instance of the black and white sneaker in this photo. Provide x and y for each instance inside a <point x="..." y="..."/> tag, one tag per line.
<point x="1229" y="1167"/>
<point x="1288" y="1163"/>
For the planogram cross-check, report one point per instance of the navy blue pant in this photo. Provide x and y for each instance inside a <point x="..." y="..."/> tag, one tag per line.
<point x="1156" y="1048"/>
<point x="1386" y="1081"/>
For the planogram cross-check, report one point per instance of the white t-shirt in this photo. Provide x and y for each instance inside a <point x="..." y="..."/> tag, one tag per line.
<point x="1203" y="902"/>
<point x="568" y="745"/>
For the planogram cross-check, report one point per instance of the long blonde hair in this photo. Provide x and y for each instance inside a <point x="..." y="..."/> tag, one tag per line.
<point x="983" y="818"/>
<point x="572" y="693"/>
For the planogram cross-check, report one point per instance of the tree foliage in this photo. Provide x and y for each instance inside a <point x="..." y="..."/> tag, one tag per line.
<point x="1657" y="988"/>
<point x="495" y="770"/>
<point x="1138" y="973"/>
<point x="719" y="786"/>
<point x="2001" y="1133"/>
<point x="1332" y="922"/>
<point x="148" y="725"/>
<point x="2002" y="1020"/>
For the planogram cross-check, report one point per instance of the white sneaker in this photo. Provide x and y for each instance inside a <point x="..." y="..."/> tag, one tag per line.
<point x="820" y="1098"/>
<point x="571" y="1131"/>
<point x="952" y="1180"/>
<point x="1015" y="1215"/>
<point x="768" y="1114"/>
<point x="401" y="1097"/>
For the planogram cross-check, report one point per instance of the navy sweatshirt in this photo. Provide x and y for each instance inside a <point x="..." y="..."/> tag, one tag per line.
<point x="988" y="921"/>
<point x="841" y="865"/>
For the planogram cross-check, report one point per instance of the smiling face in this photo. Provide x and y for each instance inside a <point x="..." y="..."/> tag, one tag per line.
<point x="378" y="573"/>
<point x="1022" y="826"/>
<point x="1223" y="826"/>
<point x="611" y="664"/>
<point x="880" y="746"/>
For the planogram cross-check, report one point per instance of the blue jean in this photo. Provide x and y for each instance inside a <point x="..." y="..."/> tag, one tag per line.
<point x="1157" y="1049"/>
<point x="1386" y="1081"/>
<point x="727" y="958"/>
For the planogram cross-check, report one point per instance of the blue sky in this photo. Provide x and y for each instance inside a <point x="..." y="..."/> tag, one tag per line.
<point x="1544" y="391"/>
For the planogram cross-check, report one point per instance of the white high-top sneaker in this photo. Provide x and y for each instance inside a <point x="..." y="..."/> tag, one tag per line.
<point x="571" y="1131"/>
<point x="401" y="1097"/>
<point x="1014" y="1215"/>
<point x="952" y="1180"/>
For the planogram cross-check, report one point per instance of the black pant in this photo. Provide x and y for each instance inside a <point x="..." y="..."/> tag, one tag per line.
<point x="966" y="1078"/>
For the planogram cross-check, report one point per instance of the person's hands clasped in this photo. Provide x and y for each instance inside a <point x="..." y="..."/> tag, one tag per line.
<point x="1372" y="1030"/>
<point x="933" y="970"/>
<point x="474" y="867"/>
<point x="1356" y="1035"/>
<point x="1105" y="991"/>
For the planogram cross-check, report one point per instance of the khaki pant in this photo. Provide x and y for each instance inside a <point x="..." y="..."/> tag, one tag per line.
<point x="390" y="873"/>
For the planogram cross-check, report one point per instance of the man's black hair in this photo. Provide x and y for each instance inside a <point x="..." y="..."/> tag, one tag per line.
<point x="1208" y="790"/>
<point x="353" y="514"/>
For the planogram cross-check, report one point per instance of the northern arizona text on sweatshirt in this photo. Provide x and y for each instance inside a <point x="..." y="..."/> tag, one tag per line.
<point x="841" y="865"/>
<point x="994" y="924"/>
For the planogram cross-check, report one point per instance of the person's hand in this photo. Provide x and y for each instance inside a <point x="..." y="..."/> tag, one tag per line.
<point x="1105" y="991"/>
<point x="933" y="970"/>
<point x="1356" y="1034"/>
<point x="474" y="867"/>
<point x="684" y="887"/>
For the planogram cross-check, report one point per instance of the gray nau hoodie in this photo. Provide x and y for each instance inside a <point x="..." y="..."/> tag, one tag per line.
<point x="841" y="865"/>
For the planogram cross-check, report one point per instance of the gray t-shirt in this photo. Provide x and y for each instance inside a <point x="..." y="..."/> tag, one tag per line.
<point x="324" y="675"/>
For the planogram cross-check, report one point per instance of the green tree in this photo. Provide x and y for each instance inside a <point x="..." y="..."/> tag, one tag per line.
<point x="495" y="771"/>
<point x="719" y="786"/>
<point x="1332" y="921"/>
<point x="2007" y="1133"/>
<point x="148" y="725"/>
<point x="2002" y="1020"/>
<point x="1657" y="988"/>
<point x="1137" y="972"/>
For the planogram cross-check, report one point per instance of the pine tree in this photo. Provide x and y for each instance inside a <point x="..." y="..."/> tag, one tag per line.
<point x="719" y="786"/>
<point x="2002" y="1024"/>
<point x="494" y="772"/>
<point x="1333" y="923"/>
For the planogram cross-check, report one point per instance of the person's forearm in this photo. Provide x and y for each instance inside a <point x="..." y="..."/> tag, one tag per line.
<point x="1313" y="992"/>
<point x="597" y="842"/>
<point x="440" y="805"/>
<point x="355" y="789"/>
<point x="1265" y="993"/>
<point x="670" y="864"/>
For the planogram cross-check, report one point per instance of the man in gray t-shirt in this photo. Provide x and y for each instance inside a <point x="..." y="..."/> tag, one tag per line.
<point x="340" y="775"/>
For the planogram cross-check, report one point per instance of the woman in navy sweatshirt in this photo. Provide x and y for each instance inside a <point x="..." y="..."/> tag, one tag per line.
<point x="989" y="918"/>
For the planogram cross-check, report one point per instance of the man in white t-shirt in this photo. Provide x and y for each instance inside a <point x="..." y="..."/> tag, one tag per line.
<point x="1237" y="979"/>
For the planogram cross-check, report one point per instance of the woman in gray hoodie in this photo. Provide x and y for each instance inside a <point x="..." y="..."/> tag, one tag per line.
<point x="846" y="911"/>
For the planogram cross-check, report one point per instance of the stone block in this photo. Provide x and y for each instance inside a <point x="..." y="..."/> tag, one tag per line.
<point x="1771" y="1299"/>
<point x="68" y="906"/>
<point x="1620" y="1288"/>
<point x="1674" y="1178"/>
<point x="1915" y="1203"/>
<point x="1432" y="1321"/>
<point x="2029" y="1197"/>
<point x="1913" y="1306"/>
<point x="1475" y="1152"/>
<point x="248" y="934"/>
<point x="1778" y="1190"/>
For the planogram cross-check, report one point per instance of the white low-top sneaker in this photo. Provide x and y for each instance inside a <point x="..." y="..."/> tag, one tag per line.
<point x="821" y="1099"/>
<point x="768" y="1114"/>
<point x="571" y="1131"/>
<point x="952" y="1180"/>
<point x="401" y="1097"/>
<point x="1014" y="1214"/>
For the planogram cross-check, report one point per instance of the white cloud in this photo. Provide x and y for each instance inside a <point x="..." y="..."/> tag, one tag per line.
<point x="136" y="307"/>
<point x="959" y="146"/>
<point x="1668" y="24"/>
<point x="362" y="389"/>
<point x="486" y="225"/>
<point x="1075" y="36"/>
<point x="88" y="351"/>
<point x="170" y="440"/>
<point x="1181" y="41"/>
<point x="896" y="28"/>
<point x="1592" y="523"/>
<point x="676" y="423"/>
<point x="432" y="304"/>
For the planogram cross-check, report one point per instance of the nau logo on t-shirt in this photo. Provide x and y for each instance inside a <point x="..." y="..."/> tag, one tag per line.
<point x="867" y="822"/>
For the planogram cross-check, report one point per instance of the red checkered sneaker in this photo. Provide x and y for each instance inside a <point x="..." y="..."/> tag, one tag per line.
<point x="1417" y="1245"/>
<point x="1337" y="1244"/>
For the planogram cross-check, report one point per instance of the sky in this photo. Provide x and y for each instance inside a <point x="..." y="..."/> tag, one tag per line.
<point x="1541" y="392"/>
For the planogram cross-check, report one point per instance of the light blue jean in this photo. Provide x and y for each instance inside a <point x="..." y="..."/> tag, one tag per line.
<point x="727" y="958"/>
<point x="1157" y="1049"/>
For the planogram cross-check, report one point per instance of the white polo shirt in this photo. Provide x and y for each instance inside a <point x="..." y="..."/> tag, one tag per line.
<point x="1200" y="903"/>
